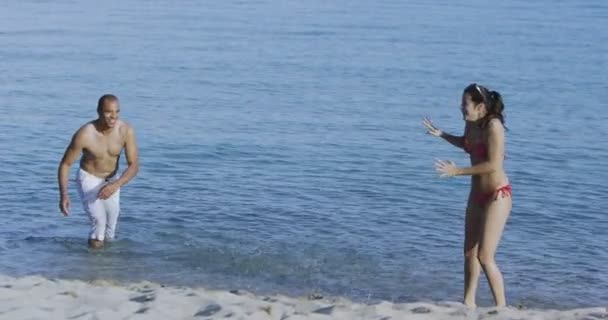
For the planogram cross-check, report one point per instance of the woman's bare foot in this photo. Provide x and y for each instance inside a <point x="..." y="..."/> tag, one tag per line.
<point x="470" y="304"/>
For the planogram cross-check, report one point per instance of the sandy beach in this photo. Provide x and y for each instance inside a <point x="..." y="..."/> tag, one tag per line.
<point x="36" y="297"/>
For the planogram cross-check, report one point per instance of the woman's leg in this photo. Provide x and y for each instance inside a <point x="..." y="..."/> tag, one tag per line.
<point x="494" y="220"/>
<point x="472" y="267"/>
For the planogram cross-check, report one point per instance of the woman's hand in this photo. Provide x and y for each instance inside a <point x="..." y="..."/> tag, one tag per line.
<point x="431" y="129"/>
<point x="446" y="168"/>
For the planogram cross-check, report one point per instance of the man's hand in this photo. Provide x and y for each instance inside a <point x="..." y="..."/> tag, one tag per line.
<point x="64" y="205"/>
<point x="108" y="190"/>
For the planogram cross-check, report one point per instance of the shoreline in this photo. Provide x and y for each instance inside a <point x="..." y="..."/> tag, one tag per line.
<point x="36" y="297"/>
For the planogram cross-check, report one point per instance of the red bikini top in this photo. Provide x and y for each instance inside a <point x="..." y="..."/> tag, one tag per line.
<point x="478" y="150"/>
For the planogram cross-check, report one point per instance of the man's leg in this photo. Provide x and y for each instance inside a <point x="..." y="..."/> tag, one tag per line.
<point x="98" y="217"/>
<point x="88" y="187"/>
<point x="112" y="207"/>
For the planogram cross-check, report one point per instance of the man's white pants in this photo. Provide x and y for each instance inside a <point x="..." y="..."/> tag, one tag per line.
<point x="102" y="213"/>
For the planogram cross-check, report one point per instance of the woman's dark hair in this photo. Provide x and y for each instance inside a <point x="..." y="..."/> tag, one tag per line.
<point x="492" y="100"/>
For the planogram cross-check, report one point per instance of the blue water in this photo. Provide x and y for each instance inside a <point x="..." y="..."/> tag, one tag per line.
<point x="282" y="148"/>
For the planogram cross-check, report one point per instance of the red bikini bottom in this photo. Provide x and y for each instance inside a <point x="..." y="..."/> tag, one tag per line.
<point x="482" y="199"/>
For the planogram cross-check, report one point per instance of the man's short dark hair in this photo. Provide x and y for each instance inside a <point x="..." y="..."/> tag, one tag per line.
<point x="105" y="99"/>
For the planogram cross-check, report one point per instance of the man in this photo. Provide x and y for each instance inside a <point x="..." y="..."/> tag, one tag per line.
<point x="101" y="142"/>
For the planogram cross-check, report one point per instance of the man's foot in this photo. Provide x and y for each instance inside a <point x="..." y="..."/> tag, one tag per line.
<point x="95" y="244"/>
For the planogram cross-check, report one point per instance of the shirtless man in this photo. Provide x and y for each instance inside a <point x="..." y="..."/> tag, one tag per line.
<point x="100" y="141"/>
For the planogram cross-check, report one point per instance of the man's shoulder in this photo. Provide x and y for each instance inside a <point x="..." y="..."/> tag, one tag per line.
<point x="82" y="134"/>
<point x="125" y="128"/>
<point x="125" y="124"/>
<point x="85" y="129"/>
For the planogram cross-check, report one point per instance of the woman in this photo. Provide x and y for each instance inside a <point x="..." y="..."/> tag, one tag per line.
<point x="490" y="202"/>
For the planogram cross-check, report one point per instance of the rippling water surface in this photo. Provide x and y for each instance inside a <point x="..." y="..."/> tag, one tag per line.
<point x="282" y="148"/>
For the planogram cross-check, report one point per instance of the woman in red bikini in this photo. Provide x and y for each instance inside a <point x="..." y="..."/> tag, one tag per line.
<point x="489" y="204"/>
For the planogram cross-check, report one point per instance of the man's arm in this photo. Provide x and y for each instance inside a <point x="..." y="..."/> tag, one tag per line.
<point x="71" y="154"/>
<point x="132" y="158"/>
<point x="495" y="145"/>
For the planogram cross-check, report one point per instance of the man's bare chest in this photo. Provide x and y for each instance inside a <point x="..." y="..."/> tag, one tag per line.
<point x="104" y="146"/>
